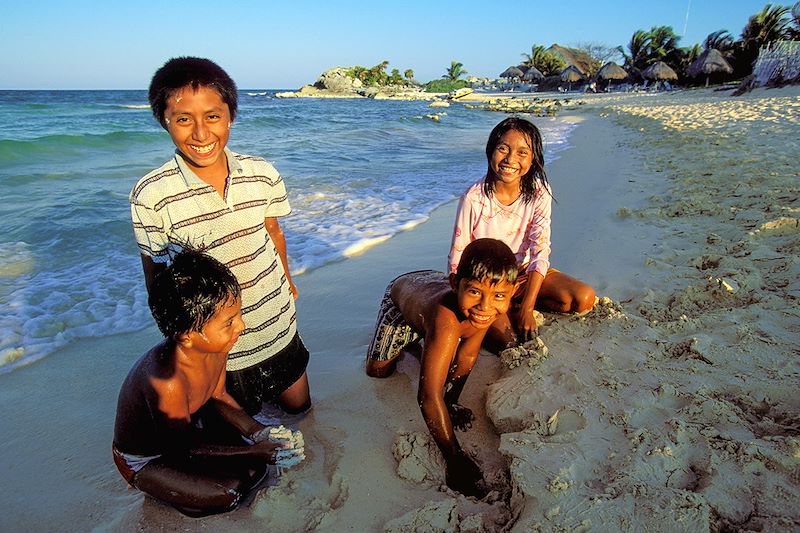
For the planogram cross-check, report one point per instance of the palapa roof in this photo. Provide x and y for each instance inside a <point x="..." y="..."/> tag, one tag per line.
<point x="611" y="71"/>
<point x="580" y="59"/>
<point x="709" y="62"/>
<point x="511" y="72"/>
<point x="659" y="71"/>
<point x="533" y="74"/>
<point x="571" y="74"/>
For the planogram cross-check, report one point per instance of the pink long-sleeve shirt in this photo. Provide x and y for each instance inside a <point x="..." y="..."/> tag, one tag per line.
<point x="524" y="227"/>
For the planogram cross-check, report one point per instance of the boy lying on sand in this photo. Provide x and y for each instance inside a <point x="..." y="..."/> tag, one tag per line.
<point x="452" y="315"/>
<point x="179" y="434"/>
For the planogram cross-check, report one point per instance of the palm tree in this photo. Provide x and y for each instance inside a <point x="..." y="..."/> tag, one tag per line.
<point x="795" y="29"/>
<point x="637" y="56"/>
<point x="455" y="71"/>
<point x="768" y="25"/>
<point x="688" y="56"/>
<point x="664" y="46"/>
<point x="720" y="40"/>
<point x="408" y="74"/>
<point x="544" y="61"/>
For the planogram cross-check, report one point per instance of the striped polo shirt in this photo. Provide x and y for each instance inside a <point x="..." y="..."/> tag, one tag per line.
<point x="171" y="205"/>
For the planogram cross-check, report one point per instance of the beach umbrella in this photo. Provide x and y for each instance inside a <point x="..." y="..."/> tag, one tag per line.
<point x="710" y="62"/>
<point x="659" y="71"/>
<point x="533" y="74"/>
<point x="611" y="71"/>
<point x="571" y="74"/>
<point x="511" y="72"/>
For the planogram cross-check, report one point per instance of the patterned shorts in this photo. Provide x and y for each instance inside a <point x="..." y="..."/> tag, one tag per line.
<point x="392" y="333"/>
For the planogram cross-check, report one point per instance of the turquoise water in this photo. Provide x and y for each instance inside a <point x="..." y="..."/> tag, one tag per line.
<point x="357" y="171"/>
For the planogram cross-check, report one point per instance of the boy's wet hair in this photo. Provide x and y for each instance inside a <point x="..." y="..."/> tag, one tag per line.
<point x="487" y="260"/>
<point x="189" y="291"/>
<point x="536" y="176"/>
<point x="196" y="72"/>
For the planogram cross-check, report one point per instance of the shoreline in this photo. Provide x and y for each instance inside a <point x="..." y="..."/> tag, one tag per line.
<point x="658" y="392"/>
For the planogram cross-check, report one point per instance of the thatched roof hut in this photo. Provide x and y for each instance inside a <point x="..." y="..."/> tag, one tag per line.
<point x="660" y="71"/>
<point x="571" y="74"/>
<point x="575" y="57"/>
<point x="709" y="62"/>
<point x="511" y="72"/>
<point x="611" y="71"/>
<point x="532" y="74"/>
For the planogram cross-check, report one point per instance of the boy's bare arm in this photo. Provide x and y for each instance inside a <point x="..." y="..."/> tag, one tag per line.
<point x="173" y="408"/>
<point x="441" y="342"/>
<point x="276" y="234"/>
<point x="230" y="410"/>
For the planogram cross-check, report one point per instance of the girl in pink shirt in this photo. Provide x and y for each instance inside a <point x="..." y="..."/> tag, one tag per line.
<point x="512" y="203"/>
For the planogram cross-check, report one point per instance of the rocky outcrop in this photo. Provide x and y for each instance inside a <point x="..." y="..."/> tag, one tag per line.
<point x="536" y="106"/>
<point x="338" y="83"/>
<point x="337" y="80"/>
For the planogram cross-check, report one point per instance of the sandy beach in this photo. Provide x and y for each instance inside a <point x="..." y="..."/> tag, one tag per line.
<point x="672" y="406"/>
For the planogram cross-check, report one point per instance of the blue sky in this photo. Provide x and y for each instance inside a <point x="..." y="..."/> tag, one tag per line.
<point x="81" y="44"/>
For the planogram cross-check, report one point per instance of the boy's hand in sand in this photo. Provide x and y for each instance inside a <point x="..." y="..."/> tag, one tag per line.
<point x="464" y="476"/>
<point x="268" y="450"/>
<point x="461" y="417"/>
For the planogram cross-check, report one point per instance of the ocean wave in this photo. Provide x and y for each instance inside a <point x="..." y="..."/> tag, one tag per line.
<point x="22" y="151"/>
<point x="44" y="310"/>
<point x="16" y="259"/>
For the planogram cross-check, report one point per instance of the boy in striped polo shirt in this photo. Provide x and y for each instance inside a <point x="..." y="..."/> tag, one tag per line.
<point x="227" y="205"/>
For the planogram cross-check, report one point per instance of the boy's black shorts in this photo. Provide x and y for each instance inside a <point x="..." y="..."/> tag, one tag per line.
<point x="266" y="381"/>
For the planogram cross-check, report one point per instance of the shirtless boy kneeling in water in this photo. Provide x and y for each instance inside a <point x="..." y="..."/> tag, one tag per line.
<point x="178" y="434"/>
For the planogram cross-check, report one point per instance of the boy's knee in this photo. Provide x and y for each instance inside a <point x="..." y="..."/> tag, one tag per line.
<point x="380" y="369"/>
<point x="299" y="408"/>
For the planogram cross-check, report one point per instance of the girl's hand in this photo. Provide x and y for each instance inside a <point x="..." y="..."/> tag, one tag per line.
<point x="527" y="326"/>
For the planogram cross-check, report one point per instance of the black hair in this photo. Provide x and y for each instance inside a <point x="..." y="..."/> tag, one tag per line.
<point x="186" y="294"/>
<point x="487" y="259"/>
<point x="536" y="176"/>
<point x="196" y="72"/>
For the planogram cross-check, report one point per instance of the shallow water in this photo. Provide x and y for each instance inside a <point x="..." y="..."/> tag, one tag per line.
<point x="357" y="171"/>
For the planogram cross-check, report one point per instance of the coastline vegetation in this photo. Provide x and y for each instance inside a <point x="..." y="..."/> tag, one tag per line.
<point x="450" y="81"/>
<point x="661" y="44"/>
<point x="645" y="49"/>
<point x="378" y="77"/>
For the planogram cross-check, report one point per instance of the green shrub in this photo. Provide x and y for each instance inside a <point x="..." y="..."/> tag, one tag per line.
<point x="444" y="86"/>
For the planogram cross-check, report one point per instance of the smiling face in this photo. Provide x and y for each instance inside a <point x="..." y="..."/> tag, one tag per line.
<point x="222" y="330"/>
<point x="481" y="301"/>
<point x="512" y="158"/>
<point x="199" y="122"/>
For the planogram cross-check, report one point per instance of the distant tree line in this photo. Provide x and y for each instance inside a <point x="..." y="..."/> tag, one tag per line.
<point x="660" y="43"/>
<point x="377" y="75"/>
